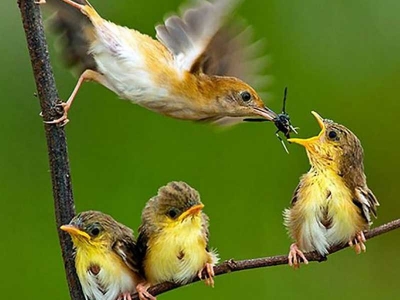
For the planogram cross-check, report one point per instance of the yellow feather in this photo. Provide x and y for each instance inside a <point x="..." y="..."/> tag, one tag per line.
<point x="178" y="252"/>
<point x="345" y="219"/>
<point x="114" y="275"/>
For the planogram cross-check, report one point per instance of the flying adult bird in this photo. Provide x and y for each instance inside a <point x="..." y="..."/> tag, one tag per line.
<point x="332" y="205"/>
<point x="192" y="71"/>
<point x="173" y="239"/>
<point x="104" y="256"/>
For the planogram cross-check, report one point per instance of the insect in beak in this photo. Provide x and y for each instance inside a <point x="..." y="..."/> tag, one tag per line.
<point x="282" y="122"/>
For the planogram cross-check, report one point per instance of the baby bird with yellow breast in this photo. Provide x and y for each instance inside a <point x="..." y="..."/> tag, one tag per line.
<point x="173" y="239"/>
<point x="104" y="256"/>
<point x="332" y="204"/>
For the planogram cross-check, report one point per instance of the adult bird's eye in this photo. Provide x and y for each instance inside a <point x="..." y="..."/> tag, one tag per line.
<point x="245" y="96"/>
<point x="95" y="231"/>
<point x="173" y="213"/>
<point x="332" y="134"/>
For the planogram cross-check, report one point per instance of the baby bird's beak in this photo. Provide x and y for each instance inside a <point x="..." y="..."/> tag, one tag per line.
<point x="307" y="142"/>
<point x="74" y="231"/>
<point x="194" y="210"/>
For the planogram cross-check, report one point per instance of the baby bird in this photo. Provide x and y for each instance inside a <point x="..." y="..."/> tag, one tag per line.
<point x="332" y="204"/>
<point x="104" y="256"/>
<point x="173" y="239"/>
<point x="190" y="72"/>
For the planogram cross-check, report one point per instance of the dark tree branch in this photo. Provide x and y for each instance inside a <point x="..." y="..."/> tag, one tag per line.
<point x="234" y="266"/>
<point x="56" y="141"/>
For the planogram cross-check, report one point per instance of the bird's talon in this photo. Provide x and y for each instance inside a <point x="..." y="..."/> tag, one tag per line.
<point x="125" y="296"/>
<point x="294" y="257"/>
<point x="208" y="279"/>
<point x="141" y="289"/>
<point x="358" y="243"/>
<point x="60" y="121"/>
<point x="61" y="108"/>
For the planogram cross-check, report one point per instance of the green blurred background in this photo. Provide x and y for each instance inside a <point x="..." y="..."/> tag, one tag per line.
<point x="340" y="58"/>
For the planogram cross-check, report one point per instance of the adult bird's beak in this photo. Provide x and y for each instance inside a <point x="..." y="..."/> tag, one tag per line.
<point x="194" y="210"/>
<point x="72" y="230"/>
<point x="307" y="142"/>
<point x="265" y="112"/>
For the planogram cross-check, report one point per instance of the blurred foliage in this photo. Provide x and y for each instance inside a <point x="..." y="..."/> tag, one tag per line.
<point x="340" y="58"/>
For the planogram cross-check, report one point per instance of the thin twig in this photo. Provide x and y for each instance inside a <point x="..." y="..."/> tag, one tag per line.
<point x="234" y="266"/>
<point x="55" y="136"/>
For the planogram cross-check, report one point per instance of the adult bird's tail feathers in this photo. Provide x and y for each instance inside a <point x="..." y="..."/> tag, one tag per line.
<point x="73" y="29"/>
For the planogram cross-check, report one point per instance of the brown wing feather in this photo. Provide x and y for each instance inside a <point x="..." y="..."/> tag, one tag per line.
<point x="141" y="248"/>
<point x="187" y="37"/>
<point x="205" y="230"/>
<point x="367" y="203"/>
<point x="232" y="52"/>
<point x="125" y="247"/>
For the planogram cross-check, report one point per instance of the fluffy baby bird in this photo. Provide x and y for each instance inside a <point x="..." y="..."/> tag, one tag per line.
<point x="190" y="72"/>
<point x="332" y="204"/>
<point x="173" y="239"/>
<point x="104" y="256"/>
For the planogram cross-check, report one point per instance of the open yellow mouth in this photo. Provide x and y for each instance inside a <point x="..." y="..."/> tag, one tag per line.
<point x="311" y="140"/>
<point x="191" y="211"/>
<point x="72" y="230"/>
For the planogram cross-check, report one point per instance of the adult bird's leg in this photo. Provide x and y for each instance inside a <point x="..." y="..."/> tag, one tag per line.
<point x="88" y="75"/>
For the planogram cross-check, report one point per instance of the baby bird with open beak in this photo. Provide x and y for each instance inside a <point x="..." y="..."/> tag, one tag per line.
<point x="332" y="204"/>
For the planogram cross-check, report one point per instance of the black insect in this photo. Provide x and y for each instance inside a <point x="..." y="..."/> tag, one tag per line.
<point x="282" y="122"/>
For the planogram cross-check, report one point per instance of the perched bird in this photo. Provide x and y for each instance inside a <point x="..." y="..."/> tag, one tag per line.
<point x="332" y="204"/>
<point x="190" y="72"/>
<point x="173" y="239"/>
<point x="104" y="256"/>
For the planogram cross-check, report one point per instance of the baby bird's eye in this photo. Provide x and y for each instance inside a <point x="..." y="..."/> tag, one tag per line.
<point x="246" y="96"/>
<point x="332" y="135"/>
<point x="95" y="231"/>
<point x="173" y="213"/>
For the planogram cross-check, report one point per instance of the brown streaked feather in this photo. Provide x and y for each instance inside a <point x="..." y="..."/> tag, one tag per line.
<point x="71" y="26"/>
<point x="367" y="203"/>
<point x="295" y="196"/>
<point x="205" y="229"/>
<point x="125" y="248"/>
<point x="95" y="270"/>
<point x="141" y="248"/>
